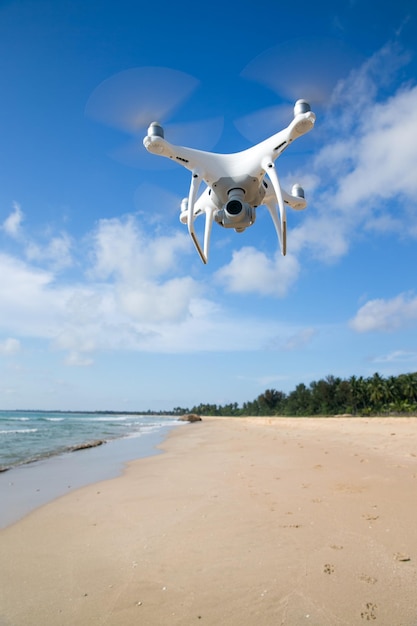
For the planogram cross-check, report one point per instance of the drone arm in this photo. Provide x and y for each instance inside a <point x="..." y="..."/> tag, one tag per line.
<point x="279" y="217"/>
<point x="296" y="201"/>
<point x="275" y="145"/>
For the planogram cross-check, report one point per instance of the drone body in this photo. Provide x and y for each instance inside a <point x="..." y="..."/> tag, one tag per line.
<point x="237" y="184"/>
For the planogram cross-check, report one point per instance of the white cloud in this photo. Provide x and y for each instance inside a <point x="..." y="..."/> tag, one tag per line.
<point x="128" y="300"/>
<point x="251" y="271"/>
<point x="397" y="356"/>
<point x="367" y="164"/>
<point x="386" y="315"/>
<point x="326" y="237"/>
<point x="158" y="302"/>
<point x="76" y="359"/>
<point x="29" y="301"/>
<point x="9" y="346"/>
<point x="385" y="154"/>
<point x="12" y="224"/>
<point x="139" y="267"/>
<point x="300" y="339"/>
<point x="123" y="250"/>
<point x="57" y="251"/>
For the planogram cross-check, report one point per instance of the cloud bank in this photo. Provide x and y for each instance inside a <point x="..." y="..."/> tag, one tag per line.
<point x="386" y="315"/>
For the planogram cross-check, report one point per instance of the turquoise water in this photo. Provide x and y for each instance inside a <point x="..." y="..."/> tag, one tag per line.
<point x="36" y="449"/>
<point x="27" y="436"/>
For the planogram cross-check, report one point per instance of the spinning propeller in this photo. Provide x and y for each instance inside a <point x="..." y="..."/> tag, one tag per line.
<point x="300" y="68"/>
<point x="130" y="100"/>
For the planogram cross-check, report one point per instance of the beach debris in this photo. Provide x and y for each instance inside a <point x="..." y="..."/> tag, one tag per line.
<point x="190" y="417"/>
<point x="87" y="445"/>
<point x="328" y="568"/>
<point x="402" y="557"/>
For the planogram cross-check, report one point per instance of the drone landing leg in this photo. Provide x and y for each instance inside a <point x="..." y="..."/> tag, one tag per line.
<point x="280" y="221"/>
<point x="192" y="197"/>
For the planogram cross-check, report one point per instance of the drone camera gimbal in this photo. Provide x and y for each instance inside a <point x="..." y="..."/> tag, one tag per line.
<point x="236" y="213"/>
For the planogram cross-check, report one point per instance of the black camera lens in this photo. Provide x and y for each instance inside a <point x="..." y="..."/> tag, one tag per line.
<point x="234" y="207"/>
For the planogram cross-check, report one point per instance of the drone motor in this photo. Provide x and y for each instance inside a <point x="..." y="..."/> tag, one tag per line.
<point x="155" y="130"/>
<point x="298" y="191"/>
<point x="301" y="106"/>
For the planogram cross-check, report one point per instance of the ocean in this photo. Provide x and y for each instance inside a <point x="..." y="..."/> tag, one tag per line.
<point x="45" y="454"/>
<point x="27" y="436"/>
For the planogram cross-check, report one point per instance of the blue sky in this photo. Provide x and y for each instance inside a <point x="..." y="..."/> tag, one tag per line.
<point x="104" y="303"/>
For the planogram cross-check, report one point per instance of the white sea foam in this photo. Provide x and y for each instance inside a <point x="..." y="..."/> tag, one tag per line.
<point x="18" y="431"/>
<point x="116" y="418"/>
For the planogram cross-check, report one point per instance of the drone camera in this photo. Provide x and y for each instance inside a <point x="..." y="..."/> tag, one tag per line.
<point x="234" y="207"/>
<point x="236" y="213"/>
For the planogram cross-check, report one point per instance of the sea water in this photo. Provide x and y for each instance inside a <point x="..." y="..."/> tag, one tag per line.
<point x="27" y="436"/>
<point x="40" y="457"/>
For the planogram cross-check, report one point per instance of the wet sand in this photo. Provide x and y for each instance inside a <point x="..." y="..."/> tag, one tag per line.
<point x="240" y="522"/>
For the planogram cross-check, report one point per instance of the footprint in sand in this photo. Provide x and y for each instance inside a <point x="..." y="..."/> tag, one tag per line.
<point x="369" y="613"/>
<point x="348" y="488"/>
<point x="290" y="525"/>
<point x="370" y="518"/>
<point x="368" y="579"/>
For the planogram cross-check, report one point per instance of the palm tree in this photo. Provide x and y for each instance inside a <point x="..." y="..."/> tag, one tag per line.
<point x="377" y="391"/>
<point x="408" y="386"/>
<point x="355" y="393"/>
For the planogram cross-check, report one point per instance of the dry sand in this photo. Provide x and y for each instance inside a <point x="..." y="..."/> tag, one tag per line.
<point x="240" y="522"/>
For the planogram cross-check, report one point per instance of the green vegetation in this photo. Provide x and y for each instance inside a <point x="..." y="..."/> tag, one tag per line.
<point x="376" y="395"/>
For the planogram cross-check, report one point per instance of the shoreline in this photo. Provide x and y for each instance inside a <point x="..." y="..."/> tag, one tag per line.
<point x="253" y="521"/>
<point x="27" y="486"/>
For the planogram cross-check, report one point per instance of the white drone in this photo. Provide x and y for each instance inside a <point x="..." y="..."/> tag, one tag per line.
<point x="236" y="183"/>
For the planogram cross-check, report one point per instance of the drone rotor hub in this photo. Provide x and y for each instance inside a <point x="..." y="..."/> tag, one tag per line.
<point x="301" y="106"/>
<point x="155" y="130"/>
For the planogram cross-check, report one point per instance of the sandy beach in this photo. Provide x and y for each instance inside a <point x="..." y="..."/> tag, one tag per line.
<point x="242" y="521"/>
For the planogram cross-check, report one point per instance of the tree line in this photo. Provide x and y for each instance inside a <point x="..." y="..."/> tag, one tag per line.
<point x="375" y="395"/>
